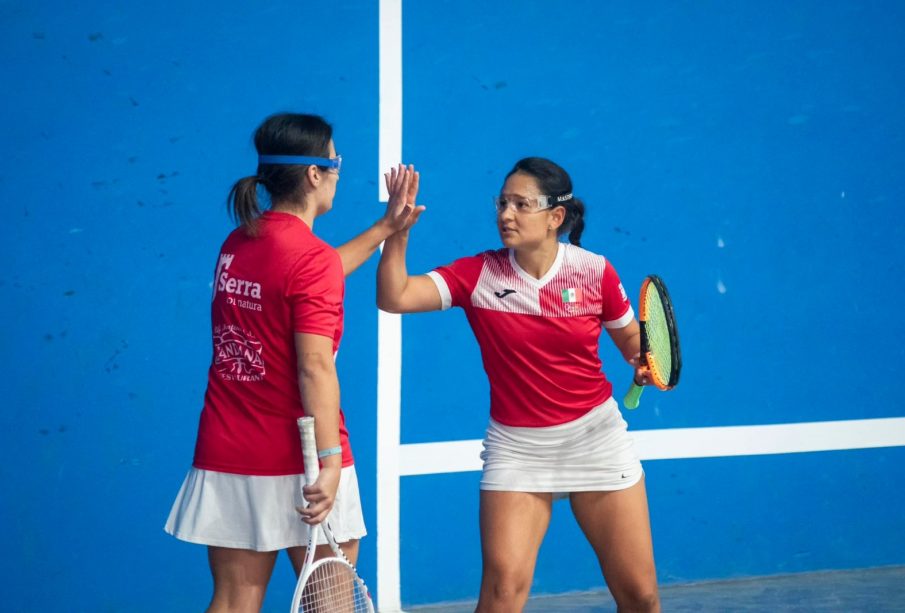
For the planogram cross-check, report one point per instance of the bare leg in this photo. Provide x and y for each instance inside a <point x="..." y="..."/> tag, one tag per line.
<point x="618" y="527"/>
<point x="240" y="579"/>
<point x="513" y="525"/>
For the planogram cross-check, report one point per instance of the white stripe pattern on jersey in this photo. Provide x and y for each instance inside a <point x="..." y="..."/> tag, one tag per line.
<point x="580" y="269"/>
<point x="504" y="287"/>
<point x="501" y="288"/>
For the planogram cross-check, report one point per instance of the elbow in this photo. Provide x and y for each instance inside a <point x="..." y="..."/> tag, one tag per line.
<point x="387" y="305"/>
<point x="314" y="366"/>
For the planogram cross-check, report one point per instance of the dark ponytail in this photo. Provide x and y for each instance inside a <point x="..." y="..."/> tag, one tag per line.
<point x="281" y="134"/>
<point x="574" y="220"/>
<point x="554" y="181"/>
<point x="243" y="203"/>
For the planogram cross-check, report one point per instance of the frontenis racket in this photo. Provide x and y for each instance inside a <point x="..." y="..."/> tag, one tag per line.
<point x="331" y="584"/>
<point x="659" y="339"/>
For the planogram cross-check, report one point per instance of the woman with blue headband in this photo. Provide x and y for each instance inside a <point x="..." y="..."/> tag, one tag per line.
<point x="277" y="320"/>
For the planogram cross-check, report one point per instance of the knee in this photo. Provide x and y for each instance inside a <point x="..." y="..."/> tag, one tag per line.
<point x="237" y="598"/>
<point x="641" y="598"/>
<point x="236" y="603"/>
<point x="505" y="590"/>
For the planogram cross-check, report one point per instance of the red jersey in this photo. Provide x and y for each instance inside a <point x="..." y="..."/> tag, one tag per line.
<point x="539" y="338"/>
<point x="266" y="288"/>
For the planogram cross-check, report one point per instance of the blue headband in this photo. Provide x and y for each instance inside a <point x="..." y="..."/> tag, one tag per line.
<point x="304" y="160"/>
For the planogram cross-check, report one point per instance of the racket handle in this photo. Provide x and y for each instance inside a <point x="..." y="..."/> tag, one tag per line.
<point x="634" y="395"/>
<point x="309" y="448"/>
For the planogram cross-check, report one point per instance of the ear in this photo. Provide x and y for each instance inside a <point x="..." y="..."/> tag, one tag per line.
<point x="557" y="216"/>
<point x="313" y="175"/>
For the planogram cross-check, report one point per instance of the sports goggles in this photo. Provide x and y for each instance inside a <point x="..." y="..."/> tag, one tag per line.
<point x="534" y="204"/>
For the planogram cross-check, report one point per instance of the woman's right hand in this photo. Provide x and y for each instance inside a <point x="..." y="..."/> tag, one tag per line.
<point x="402" y="186"/>
<point x="320" y="495"/>
<point x="642" y="373"/>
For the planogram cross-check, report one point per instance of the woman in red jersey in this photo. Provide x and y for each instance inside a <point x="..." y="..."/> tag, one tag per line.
<point x="537" y="308"/>
<point x="277" y="320"/>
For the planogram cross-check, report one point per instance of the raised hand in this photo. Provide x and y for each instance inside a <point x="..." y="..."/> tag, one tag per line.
<point x="402" y="185"/>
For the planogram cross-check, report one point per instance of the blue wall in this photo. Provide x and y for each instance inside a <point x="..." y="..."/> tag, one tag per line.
<point x="751" y="153"/>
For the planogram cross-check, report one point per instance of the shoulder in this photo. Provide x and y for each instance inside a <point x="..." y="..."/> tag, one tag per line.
<point x="310" y="257"/>
<point x="582" y="258"/>
<point x="322" y="253"/>
<point x="477" y="261"/>
<point x="495" y="255"/>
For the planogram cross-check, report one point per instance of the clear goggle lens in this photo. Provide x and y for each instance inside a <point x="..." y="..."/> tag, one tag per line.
<point x="523" y="204"/>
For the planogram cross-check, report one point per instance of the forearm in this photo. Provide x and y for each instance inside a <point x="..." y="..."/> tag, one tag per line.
<point x="355" y="252"/>
<point x="627" y="340"/>
<point x="631" y="346"/>
<point x="319" y="389"/>
<point x="392" y="275"/>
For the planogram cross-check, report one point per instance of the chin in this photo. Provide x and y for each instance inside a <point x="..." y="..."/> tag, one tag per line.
<point x="509" y="241"/>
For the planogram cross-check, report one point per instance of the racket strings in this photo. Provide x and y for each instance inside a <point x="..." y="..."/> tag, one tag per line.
<point x="659" y="356"/>
<point x="333" y="588"/>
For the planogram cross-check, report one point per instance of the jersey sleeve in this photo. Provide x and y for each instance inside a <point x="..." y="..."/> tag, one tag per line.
<point x="315" y="292"/>
<point x="457" y="281"/>
<point x="617" y="310"/>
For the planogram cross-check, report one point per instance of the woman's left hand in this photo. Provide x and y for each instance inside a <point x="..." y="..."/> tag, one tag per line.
<point x="320" y="495"/>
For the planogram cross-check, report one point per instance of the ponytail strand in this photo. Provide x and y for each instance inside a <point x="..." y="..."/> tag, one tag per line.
<point x="575" y="220"/>
<point x="243" y="203"/>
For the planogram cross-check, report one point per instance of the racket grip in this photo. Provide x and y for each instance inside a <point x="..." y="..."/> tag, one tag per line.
<point x="633" y="396"/>
<point x="309" y="448"/>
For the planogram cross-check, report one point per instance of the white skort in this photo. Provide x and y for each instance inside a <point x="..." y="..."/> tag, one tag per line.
<point x="257" y="513"/>
<point x="592" y="453"/>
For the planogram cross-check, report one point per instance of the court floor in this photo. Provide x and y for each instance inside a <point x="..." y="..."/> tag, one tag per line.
<point x="875" y="590"/>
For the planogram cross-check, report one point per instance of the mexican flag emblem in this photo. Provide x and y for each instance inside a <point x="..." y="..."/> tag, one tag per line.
<point x="573" y="294"/>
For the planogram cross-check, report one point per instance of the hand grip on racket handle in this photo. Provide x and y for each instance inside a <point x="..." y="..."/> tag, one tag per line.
<point x="634" y="392"/>
<point x="633" y="396"/>
<point x="313" y="472"/>
<point x="309" y="449"/>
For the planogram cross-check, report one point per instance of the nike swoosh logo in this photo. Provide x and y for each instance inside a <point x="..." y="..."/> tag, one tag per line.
<point x="504" y="293"/>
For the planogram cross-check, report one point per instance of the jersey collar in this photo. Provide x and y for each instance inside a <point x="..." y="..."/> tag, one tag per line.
<point x="554" y="269"/>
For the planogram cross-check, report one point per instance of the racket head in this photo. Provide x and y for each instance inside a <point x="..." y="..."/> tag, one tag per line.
<point x="659" y="334"/>
<point x="331" y="584"/>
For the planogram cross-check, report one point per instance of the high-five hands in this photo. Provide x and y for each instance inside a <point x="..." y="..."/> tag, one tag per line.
<point x="402" y="185"/>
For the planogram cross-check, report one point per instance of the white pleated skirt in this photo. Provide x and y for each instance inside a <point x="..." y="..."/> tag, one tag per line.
<point x="592" y="453"/>
<point x="257" y="513"/>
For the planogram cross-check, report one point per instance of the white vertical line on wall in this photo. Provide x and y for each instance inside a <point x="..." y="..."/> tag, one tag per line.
<point x="389" y="326"/>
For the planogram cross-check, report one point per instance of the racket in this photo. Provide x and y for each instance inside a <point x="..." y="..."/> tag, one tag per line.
<point x="331" y="584"/>
<point x="659" y="339"/>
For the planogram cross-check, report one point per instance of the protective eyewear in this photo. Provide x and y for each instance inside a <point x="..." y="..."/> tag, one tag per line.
<point x="302" y="160"/>
<point x="534" y="204"/>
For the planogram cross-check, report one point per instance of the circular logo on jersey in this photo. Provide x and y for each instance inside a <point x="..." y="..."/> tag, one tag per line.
<point x="237" y="354"/>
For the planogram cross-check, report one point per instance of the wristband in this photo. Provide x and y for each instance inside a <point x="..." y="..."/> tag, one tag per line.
<point x="323" y="453"/>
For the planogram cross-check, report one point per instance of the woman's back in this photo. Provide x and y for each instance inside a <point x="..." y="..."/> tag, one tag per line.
<point x="267" y="287"/>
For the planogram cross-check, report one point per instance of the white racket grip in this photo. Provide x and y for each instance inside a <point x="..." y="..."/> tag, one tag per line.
<point x="309" y="449"/>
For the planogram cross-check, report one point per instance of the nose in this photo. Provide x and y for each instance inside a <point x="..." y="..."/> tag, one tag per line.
<point x="508" y="213"/>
